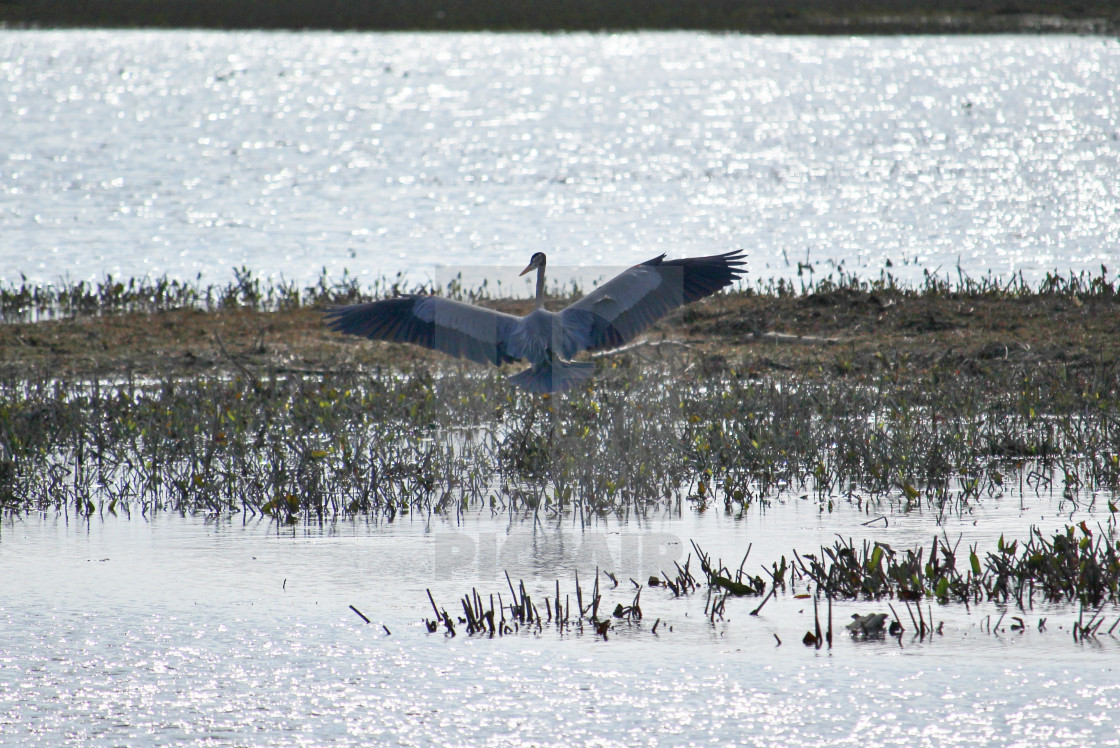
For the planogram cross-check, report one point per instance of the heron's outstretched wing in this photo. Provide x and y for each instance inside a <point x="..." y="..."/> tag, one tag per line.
<point x="617" y="311"/>
<point x="452" y="327"/>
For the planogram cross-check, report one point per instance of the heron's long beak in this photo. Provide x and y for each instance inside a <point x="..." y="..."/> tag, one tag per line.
<point x="528" y="267"/>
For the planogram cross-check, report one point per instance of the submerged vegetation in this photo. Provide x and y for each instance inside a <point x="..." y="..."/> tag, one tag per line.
<point x="344" y="442"/>
<point x="1076" y="565"/>
<point x="489" y="618"/>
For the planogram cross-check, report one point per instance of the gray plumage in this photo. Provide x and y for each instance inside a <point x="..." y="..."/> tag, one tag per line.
<point x="608" y="317"/>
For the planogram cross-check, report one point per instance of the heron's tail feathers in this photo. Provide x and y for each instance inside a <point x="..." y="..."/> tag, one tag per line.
<point x="553" y="376"/>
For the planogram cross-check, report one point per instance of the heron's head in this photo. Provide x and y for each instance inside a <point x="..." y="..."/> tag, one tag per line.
<point x="536" y="261"/>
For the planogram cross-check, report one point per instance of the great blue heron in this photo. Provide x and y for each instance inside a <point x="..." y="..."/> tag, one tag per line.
<point x="606" y="318"/>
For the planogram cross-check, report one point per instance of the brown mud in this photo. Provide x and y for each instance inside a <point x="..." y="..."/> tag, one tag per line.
<point x="841" y="333"/>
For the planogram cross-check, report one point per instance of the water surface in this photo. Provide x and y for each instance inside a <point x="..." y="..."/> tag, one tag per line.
<point x="179" y="153"/>
<point x="150" y="631"/>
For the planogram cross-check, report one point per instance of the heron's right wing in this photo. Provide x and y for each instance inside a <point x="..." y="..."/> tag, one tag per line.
<point x="452" y="327"/>
<point x="616" y="312"/>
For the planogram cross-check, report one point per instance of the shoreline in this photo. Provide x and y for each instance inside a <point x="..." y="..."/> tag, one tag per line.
<point x="799" y="17"/>
<point x="826" y="331"/>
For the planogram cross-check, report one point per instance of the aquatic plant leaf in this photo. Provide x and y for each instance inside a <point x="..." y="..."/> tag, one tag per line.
<point x="876" y="558"/>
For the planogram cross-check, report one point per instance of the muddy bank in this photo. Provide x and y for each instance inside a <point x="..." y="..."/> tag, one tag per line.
<point x="838" y="333"/>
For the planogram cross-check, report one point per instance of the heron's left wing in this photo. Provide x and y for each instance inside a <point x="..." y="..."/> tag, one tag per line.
<point x="616" y="312"/>
<point x="452" y="327"/>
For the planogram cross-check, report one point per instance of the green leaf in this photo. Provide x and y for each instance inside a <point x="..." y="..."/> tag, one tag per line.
<point x="976" y="561"/>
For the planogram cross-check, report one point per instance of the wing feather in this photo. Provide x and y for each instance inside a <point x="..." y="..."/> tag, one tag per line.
<point x="451" y="327"/>
<point x="616" y="312"/>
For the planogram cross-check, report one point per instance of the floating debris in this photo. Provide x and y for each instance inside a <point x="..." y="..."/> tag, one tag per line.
<point x="868" y="626"/>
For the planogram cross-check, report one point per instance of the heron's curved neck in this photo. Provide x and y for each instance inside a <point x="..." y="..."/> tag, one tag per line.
<point x="540" y="287"/>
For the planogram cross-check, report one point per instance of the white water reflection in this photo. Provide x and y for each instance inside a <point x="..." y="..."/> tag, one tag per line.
<point x="180" y="153"/>
<point x="151" y="631"/>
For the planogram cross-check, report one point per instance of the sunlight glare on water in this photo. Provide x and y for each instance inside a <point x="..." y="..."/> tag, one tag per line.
<point x="178" y="153"/>
<point x="152" y="631"/>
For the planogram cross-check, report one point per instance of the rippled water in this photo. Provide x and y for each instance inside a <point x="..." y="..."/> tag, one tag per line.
<point x="194" y="152"/>
<point x="151" y="631"/>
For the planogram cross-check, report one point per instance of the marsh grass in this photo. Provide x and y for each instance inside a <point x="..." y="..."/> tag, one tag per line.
<point x="425" y="436"/>
<point x="31" y="301"/>
<point x="1076" y="564"/>
<point x="352" y="442"/>
<point x="490" y="616"/>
